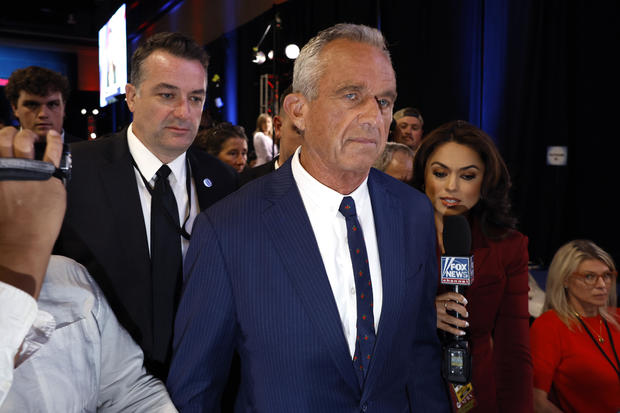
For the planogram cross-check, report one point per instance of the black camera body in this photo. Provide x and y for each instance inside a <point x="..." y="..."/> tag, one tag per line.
<point x="456" y="362"/>
<point x="20" y="169"/>
<point x="65" y="160"/>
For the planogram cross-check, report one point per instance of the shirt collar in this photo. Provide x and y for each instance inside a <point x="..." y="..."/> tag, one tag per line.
<point x="149" y="164"/>
<point x="321" y="196"/>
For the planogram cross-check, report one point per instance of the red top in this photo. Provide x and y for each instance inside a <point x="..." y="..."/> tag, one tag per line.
<point x="583" y="380"/>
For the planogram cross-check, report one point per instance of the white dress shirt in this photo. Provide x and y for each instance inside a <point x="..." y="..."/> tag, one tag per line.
<point x="18" y="311"/>
<point x="148" y="164"/>
<point x="74" y="356"/>
<point x="264" y="148"/>
<point x="330" y="231"/>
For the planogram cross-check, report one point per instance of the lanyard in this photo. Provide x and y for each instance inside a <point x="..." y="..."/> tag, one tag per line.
<point x="611" y="341"/>
<point x="188" y="182"/>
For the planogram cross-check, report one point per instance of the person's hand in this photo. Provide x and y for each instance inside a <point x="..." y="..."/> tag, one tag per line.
<point x="31" y="212"/>
<point x="451" y="302"/>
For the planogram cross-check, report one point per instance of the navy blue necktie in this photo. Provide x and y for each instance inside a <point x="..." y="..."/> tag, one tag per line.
<point x="365" y="342"/>
<point x="166" y="263"/>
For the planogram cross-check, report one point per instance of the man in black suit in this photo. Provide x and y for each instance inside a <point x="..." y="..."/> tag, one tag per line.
<point x="38" y="97"/>
<point x="289" y="137"/>
<point x="117" y="217"/>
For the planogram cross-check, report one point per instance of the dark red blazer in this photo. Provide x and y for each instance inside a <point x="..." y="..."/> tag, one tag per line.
<point x="499" y="323"/>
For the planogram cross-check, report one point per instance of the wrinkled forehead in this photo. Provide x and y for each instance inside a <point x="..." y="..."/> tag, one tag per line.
<point x="164" y="67"/>
<point x="346" y="62"/>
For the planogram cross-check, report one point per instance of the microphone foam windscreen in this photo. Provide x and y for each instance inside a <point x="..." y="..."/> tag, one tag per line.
<point x="456" y="236"/>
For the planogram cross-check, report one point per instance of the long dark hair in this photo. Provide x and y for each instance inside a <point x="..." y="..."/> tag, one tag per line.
<point x="493" y="210"/>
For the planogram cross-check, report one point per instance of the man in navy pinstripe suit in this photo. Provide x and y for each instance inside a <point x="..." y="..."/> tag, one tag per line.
<point x="291" y="307"/>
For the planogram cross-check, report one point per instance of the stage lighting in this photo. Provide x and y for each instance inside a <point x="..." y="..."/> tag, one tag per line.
<point x="259" y="57"/>
<point x="292" y="51"/>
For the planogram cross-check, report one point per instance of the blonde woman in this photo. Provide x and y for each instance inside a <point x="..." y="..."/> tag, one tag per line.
<point x="576" y="341"/>
<point x="264" y="145"/>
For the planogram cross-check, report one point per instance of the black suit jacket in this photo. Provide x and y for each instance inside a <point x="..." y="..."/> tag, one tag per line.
<point x="68" y="138"/>
<point x="104" y="228"/>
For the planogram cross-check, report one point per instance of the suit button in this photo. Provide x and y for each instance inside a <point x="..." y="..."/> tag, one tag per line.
<point x="364" y="407"/>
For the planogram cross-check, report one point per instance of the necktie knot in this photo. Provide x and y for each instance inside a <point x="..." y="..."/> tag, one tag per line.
<point x="163" y="172"/>
<point x="347" y="207"/>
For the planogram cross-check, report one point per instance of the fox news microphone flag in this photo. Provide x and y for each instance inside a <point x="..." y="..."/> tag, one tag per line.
<point x="457" y="264"/>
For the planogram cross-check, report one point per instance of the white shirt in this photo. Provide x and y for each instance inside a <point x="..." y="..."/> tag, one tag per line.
<point x="74" y="356"/>
<point x="264" y="148"/>
<point x="330" y="231"/>
<point x="148" y="165"/>
<point x="18" y="311"/>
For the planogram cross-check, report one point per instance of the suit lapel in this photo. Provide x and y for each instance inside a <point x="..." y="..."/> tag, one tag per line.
<point x="119" y="183"/>
<point x="295" y="242"/>
<point x="201" y="180"/>
<point x="388" y="216"/>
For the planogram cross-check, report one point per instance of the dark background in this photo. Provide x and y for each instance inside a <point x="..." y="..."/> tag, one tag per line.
<point x="531" y="73"/>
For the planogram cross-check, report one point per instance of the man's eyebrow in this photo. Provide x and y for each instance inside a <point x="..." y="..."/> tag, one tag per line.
<point x="389" y="93"/>
<point x="164" y="85"/>
<point x="349" y="88"/>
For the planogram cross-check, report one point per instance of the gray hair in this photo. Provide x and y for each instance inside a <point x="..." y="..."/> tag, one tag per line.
<point x="388" y="153"/>
<point x="309" y="67"/>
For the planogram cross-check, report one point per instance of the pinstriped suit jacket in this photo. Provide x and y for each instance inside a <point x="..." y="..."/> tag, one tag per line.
<point x="255" y="282"/>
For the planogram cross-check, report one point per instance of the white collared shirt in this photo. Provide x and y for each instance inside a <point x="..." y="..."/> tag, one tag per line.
<point x="74" y="355"/>
<point x="330" y="231"/>
<point x="148" y="165"/>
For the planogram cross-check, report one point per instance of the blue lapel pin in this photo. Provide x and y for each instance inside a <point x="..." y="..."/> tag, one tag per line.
<point x="207" y="182"/>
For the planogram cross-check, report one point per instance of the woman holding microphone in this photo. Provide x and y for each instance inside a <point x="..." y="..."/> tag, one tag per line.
<point x="461" y="171"/>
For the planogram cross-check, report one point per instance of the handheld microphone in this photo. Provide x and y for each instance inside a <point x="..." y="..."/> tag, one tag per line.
<point x="457" y="270"/>
<point x="457" y="264"/>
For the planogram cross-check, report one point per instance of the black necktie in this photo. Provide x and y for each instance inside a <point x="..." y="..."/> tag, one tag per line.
<point x="365" y="342"/>
<point x="166" y="262"/>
